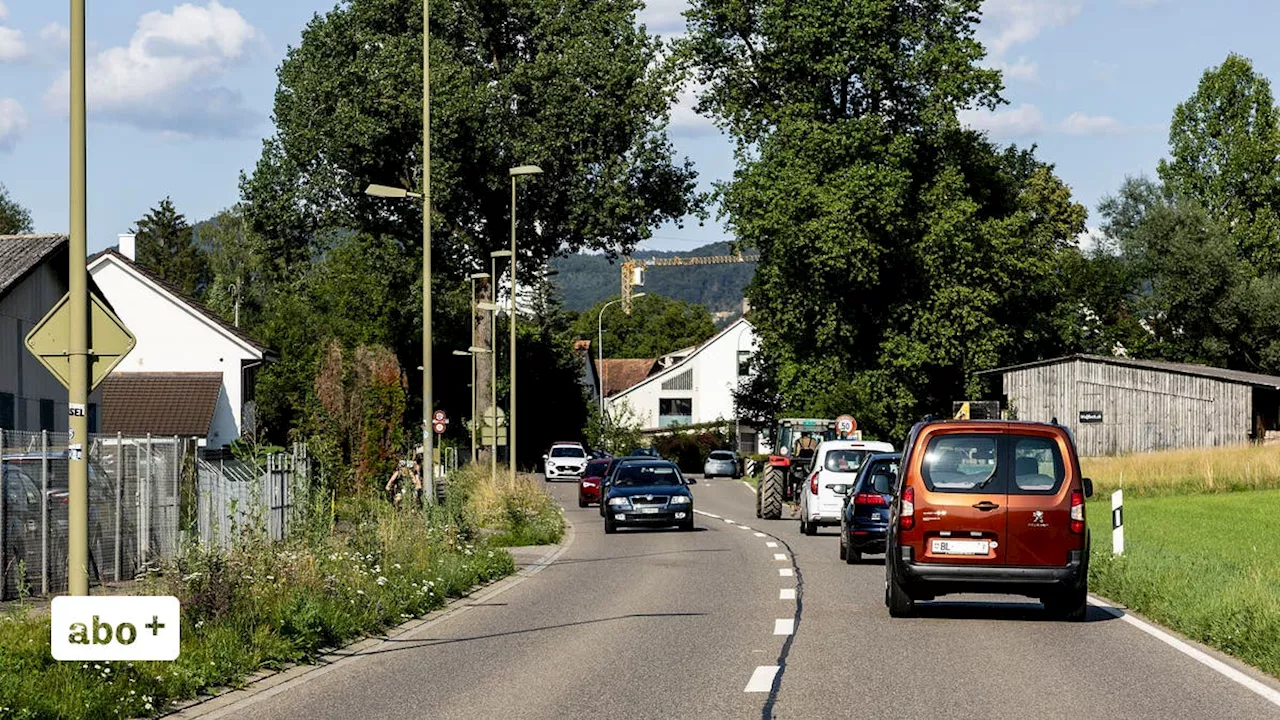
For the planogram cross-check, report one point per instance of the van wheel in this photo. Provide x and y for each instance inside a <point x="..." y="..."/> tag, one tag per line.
<point x="844" y="549"/>
<point x="896" y="597"/>
<point x="808" y="528"/>
<point x="853" y="557"/>
<point x="1070" y="606"/>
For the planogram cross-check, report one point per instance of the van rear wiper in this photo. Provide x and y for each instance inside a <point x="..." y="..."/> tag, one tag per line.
<point x="983" y="484"/>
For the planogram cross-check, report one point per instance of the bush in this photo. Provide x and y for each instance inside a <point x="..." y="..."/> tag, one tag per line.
<point x="689" y="450"/>
<point x="523" y="514"/>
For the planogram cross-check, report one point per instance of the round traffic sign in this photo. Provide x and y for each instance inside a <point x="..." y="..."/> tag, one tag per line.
<point x="438" y="427"/>
<point x="846" y="425"/>
<point x="438" y="416"/>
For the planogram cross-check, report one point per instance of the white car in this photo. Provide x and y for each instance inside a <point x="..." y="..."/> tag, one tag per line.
<point x="835" y="467"/>
<point x="565" y="461"/>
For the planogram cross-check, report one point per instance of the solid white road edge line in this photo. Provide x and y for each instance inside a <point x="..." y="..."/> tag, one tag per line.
<point x="771" y="544"/>
<point x="787" y="594"/>
<point x="784" y="626"/>
<point x="1269" y="693"/>
<point x="779" y="556"/>
<point x="762" y="679"/>
<point x="749" y="487"/>
<point x="786" y="572"/>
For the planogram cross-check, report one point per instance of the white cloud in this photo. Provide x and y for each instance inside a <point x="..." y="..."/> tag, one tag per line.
<point x="1078" y="123"/>
<point x="12" y="46"/>
<point x="1091" y="239"/>
<point x="13" y="123"/>
<point x="1141" y="4"/>
<point x="56" y="34"/>
<point x="685" y="120"/>
<point x="1021" y="121"/>
<point x="165" y="78"/>
<point x="663" y="17"/>
<point x="1006" y="23"/>
<point x="1020" y="69"/>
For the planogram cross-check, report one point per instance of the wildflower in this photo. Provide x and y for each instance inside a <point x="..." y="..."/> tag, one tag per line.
<point x="382" y="580"/>
<point x="359" y="592"/>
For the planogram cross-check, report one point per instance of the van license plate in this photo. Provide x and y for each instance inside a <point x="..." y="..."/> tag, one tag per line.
<point x="961" y="547"/>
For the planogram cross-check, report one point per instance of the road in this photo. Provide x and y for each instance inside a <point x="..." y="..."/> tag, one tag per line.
<point x="664" y="624"/>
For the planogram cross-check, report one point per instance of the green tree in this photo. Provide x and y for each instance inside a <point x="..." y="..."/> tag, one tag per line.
<point x="14" y="219"/>
<point x="166" y="246"/>
<point x="899" y="251"/>
<point x="572" y="85"/>
<point x="655" y="327"/>
<point x="1224" y="147"/>
<point x="237" y="266"/>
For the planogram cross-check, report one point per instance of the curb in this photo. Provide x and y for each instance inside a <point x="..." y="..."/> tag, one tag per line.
<point x="267" y="683"/>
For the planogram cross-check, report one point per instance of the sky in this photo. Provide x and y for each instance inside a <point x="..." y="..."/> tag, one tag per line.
<point x="180" y="95"/>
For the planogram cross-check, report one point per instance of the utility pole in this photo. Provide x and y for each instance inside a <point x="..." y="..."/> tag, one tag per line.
<point x="78" y="303"/>
<point x="428" y="443"/>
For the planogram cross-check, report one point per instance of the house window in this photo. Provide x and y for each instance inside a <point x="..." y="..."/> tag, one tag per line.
<point x="46" y="414"/>
<point x="683" y="381"/>
<point x="6" y="412"/>
<point x="675" y="411"/>
<point x="744" y="362"/>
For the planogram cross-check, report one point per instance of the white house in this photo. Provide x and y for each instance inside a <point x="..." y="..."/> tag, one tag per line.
<point x="696" y="387"/>
<point x="169" y="383"/>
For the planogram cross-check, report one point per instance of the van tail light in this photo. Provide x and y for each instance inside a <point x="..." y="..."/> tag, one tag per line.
<point x="1077" y="512"/>
<point x="907" y="518"/>
<point x="874" y="499"/>
<point x="813" y="483"/>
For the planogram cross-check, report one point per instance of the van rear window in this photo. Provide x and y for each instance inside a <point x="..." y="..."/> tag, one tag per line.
<point x="961" y="464"/>
<point x="1037" y="466"/>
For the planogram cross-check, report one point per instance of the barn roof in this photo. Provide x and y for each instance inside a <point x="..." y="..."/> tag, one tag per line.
<point x="1239" y="377"/>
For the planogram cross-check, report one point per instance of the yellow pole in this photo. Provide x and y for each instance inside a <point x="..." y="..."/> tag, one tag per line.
<point x="493" y="371"/>
<point x="511" y="421"/>
<point x="78" y="392"/>
<point x="428" y="443"/>
<point x="472" y="320"/>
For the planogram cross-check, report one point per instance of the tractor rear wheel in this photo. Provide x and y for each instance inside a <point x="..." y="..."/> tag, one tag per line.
<point x="771" y="492"/>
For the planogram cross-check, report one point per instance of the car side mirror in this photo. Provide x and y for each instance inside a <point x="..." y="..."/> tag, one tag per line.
<point x="1088" y="488"/>
<point x="840" y="488"/>
<point x="690" y="481"/>
<point x="882" y="484"/>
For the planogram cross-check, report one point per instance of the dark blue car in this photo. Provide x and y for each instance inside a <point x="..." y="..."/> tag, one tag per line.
<point x="864" y="520"/>
<point x="652" y="493"/>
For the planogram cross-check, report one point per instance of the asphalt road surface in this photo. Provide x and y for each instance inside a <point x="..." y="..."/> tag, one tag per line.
<point x="746" y="618"/>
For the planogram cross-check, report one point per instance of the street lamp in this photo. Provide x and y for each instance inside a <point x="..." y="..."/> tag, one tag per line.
<point x="600" y="353"/>
<point x="387" y="191"/>
<point x="474" y="278"/>
<point x="515" y="172"/>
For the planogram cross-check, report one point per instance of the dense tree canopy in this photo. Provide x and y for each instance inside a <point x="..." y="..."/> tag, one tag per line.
<point x="655" y="327"/>
<point x="166" y="245"/>
<point x="14" y="219"/>
<point x="899" y="252"/>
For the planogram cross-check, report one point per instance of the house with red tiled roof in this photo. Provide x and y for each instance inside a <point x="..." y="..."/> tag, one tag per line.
<point x="191" y="374"/>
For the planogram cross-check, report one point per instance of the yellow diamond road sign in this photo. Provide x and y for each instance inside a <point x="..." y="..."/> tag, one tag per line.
<point x="109" y="341"/>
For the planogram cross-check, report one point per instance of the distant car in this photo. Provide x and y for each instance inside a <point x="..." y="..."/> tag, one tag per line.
<point x="565" y="461"/>
<point x="589" y="485"/>
<point x="835" y="466"/>
<point x="864" y="520"/>
<point x="989" y="506"/>
<point x="648" y="494"/>
<point x="722" y="463"/>
<point x="645" y="452"/>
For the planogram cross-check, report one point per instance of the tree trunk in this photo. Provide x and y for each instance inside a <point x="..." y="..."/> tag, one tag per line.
<point x="481" y="327"/>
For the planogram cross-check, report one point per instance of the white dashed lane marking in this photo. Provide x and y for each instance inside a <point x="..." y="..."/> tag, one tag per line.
<point x="771" y="544"/>
<point x="787" y="594"/>
<point x="762" y="679"/>
<point x="760" y="534"/>
<point x="784" y="626"/>
<point x="728" y="521"/>
<point x="779" y="556"/>
<point x="786" y="572"/>
<point x="743" y="527"/>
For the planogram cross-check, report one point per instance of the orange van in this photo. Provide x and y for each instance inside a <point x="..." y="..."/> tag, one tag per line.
<point x="985" y="506"/>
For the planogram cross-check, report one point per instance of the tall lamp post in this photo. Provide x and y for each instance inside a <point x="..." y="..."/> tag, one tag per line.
<point x="515" y="172"/>
<point x="387" y="191"/>
<point x="600" y="354"/>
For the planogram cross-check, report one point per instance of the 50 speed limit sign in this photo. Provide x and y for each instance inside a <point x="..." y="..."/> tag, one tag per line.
<point x="846" y="425"/>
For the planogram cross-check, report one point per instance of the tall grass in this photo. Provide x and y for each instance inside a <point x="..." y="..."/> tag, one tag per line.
<point x="1175" y="472"/>
<point x="350" y="570"/>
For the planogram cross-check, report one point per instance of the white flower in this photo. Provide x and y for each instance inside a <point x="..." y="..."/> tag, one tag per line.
<point x="382" y="580"/>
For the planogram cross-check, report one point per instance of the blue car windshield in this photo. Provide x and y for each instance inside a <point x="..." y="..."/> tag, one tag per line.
<point x="647" y="476"/>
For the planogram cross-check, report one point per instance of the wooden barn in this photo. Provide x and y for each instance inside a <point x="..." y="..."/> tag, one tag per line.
<point x="1118" y="405"/>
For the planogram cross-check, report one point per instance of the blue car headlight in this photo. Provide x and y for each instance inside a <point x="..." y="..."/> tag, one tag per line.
<point x="619" y="502"/>
<point x="681" y="500"/>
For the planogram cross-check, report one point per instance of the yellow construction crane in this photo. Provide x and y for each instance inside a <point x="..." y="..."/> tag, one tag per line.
<point x="633" y="270"/>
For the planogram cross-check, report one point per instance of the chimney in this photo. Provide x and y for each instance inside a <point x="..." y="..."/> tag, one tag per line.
<point x="128" y="245"/>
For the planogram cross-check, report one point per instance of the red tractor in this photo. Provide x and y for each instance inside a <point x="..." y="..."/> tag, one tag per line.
<point x="795" y="441"/>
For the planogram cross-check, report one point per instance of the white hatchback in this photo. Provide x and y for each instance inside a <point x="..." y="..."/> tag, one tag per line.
<point x="835" y="467"/>
<point x="565" y="461"/>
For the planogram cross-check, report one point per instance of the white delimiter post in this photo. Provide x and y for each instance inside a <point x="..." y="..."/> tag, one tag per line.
<point x="1117" y="522"/>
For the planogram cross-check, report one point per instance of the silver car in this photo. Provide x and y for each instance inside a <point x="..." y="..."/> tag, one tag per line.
<point x="721" y="463"/>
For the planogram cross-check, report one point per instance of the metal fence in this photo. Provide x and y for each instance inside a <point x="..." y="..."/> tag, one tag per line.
<point x="147" y="495"/>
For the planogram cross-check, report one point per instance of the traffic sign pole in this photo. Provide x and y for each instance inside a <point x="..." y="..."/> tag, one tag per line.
<point x="78" y="352"/>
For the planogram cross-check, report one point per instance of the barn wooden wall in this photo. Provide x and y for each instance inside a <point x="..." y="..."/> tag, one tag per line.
<point x="1142" y="409"/>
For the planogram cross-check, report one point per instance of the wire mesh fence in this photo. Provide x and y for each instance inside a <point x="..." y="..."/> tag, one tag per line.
<point x="147" y="497"/>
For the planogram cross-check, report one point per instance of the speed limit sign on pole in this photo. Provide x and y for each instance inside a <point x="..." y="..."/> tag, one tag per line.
<point x="846" y="426"/>
<point x="439" y="417"/>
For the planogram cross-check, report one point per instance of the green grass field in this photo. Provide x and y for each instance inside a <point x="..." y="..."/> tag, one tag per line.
<point x="1206" y="565"/>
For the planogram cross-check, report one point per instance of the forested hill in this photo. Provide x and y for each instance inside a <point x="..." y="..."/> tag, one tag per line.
<point x="585" y="280"/>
